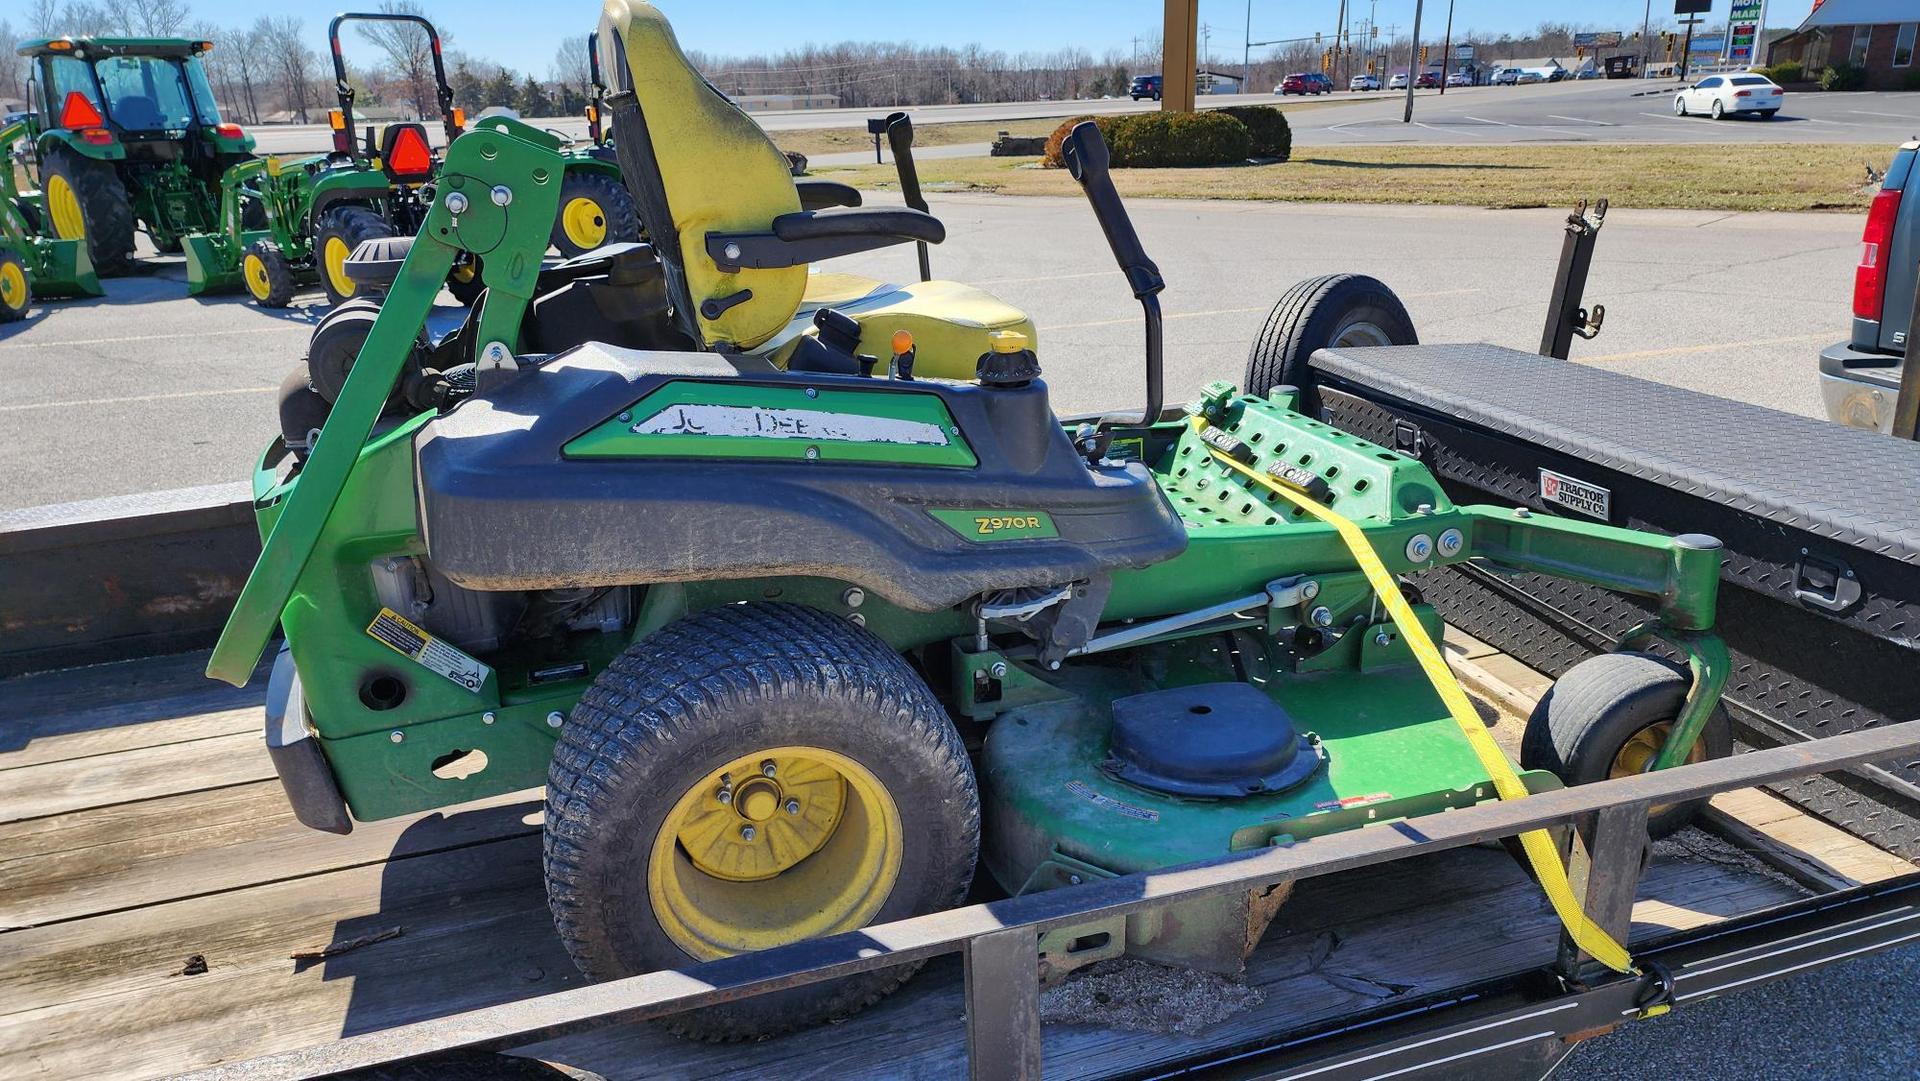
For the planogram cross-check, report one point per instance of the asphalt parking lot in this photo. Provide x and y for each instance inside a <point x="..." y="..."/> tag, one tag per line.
<point x="149" y="389"/>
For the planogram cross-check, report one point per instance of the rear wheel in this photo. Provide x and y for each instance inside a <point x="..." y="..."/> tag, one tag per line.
<point x="87" y="201"/>
<point x="341" y="230"/>
<point x="16" y="292"/>
<point x="595" y="209"/>
<point x="1332" y="311"/>
<point x="266" y="274"/>
<point x="1609" y="716"/>
<point x="750" y="776"/>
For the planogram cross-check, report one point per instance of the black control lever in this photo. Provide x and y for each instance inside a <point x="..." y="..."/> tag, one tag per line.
<point x="900" y="139"/>
<point x="1086" y="157"/>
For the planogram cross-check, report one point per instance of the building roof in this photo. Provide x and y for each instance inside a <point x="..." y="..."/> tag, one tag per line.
<point x="1536" y="62"/>
<point x="1858" y="13"/>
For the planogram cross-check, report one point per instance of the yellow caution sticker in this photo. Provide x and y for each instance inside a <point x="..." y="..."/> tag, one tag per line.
<point x="403" y="636"/>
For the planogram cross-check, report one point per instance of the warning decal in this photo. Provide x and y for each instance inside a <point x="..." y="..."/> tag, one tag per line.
<point x="399" y="634"/>
<point x="1101" y="799"/>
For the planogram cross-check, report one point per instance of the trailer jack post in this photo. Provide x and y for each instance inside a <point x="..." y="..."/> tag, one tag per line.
<point x="1565" y="316"/>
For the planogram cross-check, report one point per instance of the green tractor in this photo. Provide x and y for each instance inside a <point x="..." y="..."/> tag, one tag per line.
<point x="803" y="604"/>
<point x="31" y="261"/>
<point x="285" y="222"/>
<point x="126" y="136"/>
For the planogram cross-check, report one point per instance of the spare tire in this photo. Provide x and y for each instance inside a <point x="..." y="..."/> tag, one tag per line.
<point x="1334" y="310"/>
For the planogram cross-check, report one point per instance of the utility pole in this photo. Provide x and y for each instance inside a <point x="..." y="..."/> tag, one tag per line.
<point x="1413" y="56"/>
<point x="1646" y="40"/>
<point x="1246" y="54"/>
<point x="1446" y="51"/>
<point x="1340" y="57"/>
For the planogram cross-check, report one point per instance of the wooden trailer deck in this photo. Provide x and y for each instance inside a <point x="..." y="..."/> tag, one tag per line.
<point x="160" y="909"/>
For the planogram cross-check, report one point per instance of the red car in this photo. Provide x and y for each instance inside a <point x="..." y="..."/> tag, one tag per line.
<point x="1428" y="80"/>
<point x="1304" y="84"/>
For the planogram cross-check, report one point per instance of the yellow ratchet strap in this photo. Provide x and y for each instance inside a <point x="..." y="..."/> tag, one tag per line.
<point x="1540" y="849"/>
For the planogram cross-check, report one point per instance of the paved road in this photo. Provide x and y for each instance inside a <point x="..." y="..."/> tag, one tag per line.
<point x="150" y="389"/>
<point x="1594" y="111"/>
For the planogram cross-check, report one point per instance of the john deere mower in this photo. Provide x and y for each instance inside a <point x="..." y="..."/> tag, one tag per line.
<point x="30" y="260"/>
<point x="803" y="603"/>
<point x="126" y="136"/>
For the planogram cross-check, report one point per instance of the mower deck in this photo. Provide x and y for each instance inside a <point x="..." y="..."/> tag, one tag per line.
<point x="144" y="826"/>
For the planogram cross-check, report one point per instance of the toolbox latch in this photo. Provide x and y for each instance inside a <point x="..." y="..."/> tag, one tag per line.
<point x="1409" y="440"/>
<point x="1825" y="583"/>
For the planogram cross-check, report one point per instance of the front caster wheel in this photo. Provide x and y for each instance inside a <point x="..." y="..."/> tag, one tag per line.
<point x="747" y="777"/>
<point x="1609" y="716"/>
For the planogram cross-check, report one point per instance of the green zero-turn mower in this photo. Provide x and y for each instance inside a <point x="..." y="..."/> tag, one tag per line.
<point x="126" y="136"/>
<point x="285" y="222"/>
<point x="799" y="625"/>
<point x="31" y="261"/>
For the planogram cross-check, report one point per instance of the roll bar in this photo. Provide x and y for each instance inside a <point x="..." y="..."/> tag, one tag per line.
<point x="345" y="90"/>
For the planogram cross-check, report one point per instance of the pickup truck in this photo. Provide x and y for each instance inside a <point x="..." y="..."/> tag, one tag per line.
<point x="1860" y="377"/>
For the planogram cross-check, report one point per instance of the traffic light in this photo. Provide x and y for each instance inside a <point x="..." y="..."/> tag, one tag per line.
<point x="1326" y="61"/>
<point x="1374" y="32"/>
<point x="1423" y="55"/>
<point x="1316" y="37"/>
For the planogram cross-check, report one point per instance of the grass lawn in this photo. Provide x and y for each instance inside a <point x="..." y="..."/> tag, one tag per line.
<point x="1701" y="177"/>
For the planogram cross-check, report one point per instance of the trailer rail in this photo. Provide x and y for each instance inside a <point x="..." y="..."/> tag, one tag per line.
<point x="998" y="943"/>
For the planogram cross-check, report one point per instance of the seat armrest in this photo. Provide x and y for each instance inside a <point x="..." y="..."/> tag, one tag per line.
<point x="812" y="235"/>
<point x="821" y="194"/>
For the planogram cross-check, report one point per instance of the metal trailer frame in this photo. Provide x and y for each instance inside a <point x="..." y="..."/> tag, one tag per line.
<point x="1513" y="1028"/>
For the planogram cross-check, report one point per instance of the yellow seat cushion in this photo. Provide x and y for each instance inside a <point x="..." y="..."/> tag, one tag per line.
<point x="949" y="321"/>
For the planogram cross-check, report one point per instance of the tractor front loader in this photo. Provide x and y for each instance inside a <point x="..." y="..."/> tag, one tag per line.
<point x="799" y="636"/>
<point x="32" y="262"/>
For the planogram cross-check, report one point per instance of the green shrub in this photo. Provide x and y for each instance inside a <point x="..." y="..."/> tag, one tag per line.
<point x="1786" y="71"/>
<point x="1272" y="136"/>
<point x="1843" y="77"/>
<point x="1164" y="140"/>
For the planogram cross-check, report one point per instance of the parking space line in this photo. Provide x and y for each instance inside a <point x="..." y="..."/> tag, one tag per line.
<point x="1682" y="350"/>
<point x="1227" y="311"/>
<point x="135" y="398"/>
<point x="153" y="337"/>
<point x="1896" y="116"/>
<point x="1670" y="116"/>
<point x="1581" y="120"/>
<point x="1443" y="131"/>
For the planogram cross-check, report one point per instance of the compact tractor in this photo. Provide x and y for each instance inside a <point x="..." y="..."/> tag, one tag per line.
<point x="126" y="136"/>
<point x="30" y="260"/>
<point x="287" y="221"/>
<point x="803" y="604"/>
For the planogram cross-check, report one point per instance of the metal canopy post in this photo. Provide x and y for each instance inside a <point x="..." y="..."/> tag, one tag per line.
<point x="1565" y="316"/>
<point x="1180" y="55"/>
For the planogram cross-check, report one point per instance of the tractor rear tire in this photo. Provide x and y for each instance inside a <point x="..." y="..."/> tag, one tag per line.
<point x="1607" y="718"/>
<point x="267" y="275"/>
<point x="466" y="281"/>
<point x="1333" y="310"/>
<point x="92" y="191"/>
<point x="339" y="232"/>
<point x="595" y="209"/>
<point x="707" y="706"/>
<point x="16" y="289"/>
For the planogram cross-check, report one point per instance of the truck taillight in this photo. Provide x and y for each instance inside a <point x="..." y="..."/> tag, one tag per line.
<point x="1876" y="246"/>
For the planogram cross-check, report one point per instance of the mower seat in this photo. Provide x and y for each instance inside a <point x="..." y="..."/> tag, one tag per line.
<point x="722" y="207"/>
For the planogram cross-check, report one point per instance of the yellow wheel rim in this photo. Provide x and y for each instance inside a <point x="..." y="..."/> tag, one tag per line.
<point x="584" y="222"/>
<point x="463" y="273"/>
<point x="751" y="857"/>
<point x="64" y="206"/>
<point x="13" y="285"/>
<point x="1636" y="755"/>
<point x="254" y="269"/>
<point x="334" y="256"/>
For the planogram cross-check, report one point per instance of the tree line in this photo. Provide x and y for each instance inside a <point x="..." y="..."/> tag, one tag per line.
<point x="272" y="71"/>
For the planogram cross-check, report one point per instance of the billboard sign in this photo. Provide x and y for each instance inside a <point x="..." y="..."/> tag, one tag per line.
<point x="1597" y="39"/>
<point x="1463" y="52"/>
<point x="1692" y="7"/>
<point x="1709" y="43"/>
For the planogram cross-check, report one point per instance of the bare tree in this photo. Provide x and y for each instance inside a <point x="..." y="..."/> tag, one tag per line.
<point x="569" y="69"/>
<point x="409" y="52"/>
<point x="282" y="41"/>
<point x="13" y="70"/>
<point x="150" y="18"/>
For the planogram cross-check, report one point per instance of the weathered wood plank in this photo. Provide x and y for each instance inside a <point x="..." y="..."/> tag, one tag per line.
<point x="142" y="773"/>
<point x="1801" y="846"/>
<point x="89" y="862"/>
<point x="115" y="695"/>
<point x="126" y="737"/>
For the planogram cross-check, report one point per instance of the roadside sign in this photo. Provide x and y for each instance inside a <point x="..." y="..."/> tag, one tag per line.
<point x="1709" y="43"/>
<point x="1692" y="7"/>
<point x="1597" y="38"/>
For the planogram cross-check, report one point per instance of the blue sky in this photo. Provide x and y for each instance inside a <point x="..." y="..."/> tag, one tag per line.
<point x="524" y="35"/>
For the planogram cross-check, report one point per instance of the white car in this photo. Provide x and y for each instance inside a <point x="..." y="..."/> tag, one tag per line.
<point x="1364" y="81"/>
<point x="1528" y="75"/>
<point x="1718" y="95"/>
<point x="1398" y="82"/>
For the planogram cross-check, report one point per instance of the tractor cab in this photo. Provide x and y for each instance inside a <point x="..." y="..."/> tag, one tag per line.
<point x="128" y="135"/>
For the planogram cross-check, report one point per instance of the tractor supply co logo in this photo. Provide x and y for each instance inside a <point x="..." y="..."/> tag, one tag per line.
<point x="1589" y="499"/>
<point x="1101" y="799"/>
<point x="761" y="422"/>
<point x="397" y="633"/>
